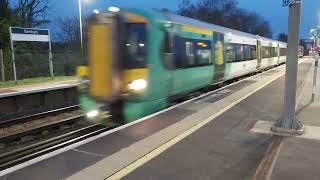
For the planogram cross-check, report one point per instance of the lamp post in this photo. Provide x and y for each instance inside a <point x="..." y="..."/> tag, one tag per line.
<point x="289" y="124"/>
<point x="315" y="33"/>
<point x="80" y="24"/>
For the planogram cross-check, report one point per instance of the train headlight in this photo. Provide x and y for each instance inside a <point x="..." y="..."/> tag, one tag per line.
<point x="137" y="85"/>
<point x="92" y="114"/>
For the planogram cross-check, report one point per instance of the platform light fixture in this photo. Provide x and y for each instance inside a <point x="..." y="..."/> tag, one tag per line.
<point x="96" y="11"/>
<point x="113" y="9"/>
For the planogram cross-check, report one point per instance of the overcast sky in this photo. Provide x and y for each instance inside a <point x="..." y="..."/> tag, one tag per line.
<point x="272" y="10"/>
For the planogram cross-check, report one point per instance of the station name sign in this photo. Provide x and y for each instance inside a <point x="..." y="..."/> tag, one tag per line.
<point x="29" y="34"/>
<point x="290" y="2"/>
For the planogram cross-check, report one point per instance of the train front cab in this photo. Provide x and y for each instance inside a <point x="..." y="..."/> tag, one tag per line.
<point x="117" y="62"/>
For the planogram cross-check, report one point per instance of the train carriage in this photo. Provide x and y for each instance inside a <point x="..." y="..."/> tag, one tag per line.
<point x="139" y="60"/>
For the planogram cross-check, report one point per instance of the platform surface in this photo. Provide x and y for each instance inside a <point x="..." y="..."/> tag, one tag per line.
<point x="224" y="149"/>
<point x="204" y="138"/>
<point x="35" y="88"/>
<point x="299" y="157"/>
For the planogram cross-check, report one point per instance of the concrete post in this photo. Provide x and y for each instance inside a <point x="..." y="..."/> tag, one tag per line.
<point x="2" y="66"/>
<point x="289" y="123"/>
<point x="314" y="84"/>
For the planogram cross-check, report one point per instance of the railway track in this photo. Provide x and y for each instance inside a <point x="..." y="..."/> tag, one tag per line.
<point x="14" y="137"/>
<point x="26" y="153"/>
<point x="33" y="117"/>
<point x="26" y="144"/>
<point x="19" y="155"/>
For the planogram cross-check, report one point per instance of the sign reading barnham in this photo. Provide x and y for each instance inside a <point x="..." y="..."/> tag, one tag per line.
<point x="29" y="34"/>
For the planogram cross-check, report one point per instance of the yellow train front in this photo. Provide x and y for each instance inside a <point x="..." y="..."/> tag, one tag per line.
<point x="117" y="79"/>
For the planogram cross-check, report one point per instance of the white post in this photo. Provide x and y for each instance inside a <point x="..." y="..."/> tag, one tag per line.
<point x="80" y="24"/>
<point x="314" y="84"/>
<point x="315" y="72"/>
<point x="2" y="65"/>
<point x="13" y="57"/>
<point x="50" y="57"/>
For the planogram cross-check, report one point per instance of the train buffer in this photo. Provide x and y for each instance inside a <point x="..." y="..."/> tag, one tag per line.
<point x="219" y="135"/>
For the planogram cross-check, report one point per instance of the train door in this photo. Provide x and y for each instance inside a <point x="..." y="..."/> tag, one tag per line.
<point x="219" y="63"/>
<point x="259" y="56"/>
<point x="168" y="59"/>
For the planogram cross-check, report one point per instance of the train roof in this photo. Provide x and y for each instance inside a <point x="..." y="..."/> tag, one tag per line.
<point x="189" y="21"/>
<point x="174" y="18"/>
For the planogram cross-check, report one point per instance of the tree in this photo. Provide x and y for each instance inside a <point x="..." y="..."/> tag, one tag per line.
<point x="186" y="8"/>
<point x="7" y="19"/>
<point x="68" y="29"/>
<point x="32" y="13"/>
<point x="4" y="8"/>
<point x="226" y="13"/>
<point x="250" y="22"/>
<point x="212" y="11"/>
<point x="282" y="37"/>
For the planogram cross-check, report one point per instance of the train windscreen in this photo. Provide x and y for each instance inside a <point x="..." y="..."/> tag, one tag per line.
<point x="135" y="51"/>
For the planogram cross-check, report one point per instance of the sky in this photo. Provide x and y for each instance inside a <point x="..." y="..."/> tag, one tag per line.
<point x="272" y="10"/>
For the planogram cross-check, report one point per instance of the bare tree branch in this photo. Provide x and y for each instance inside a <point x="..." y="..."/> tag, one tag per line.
<point x="32" y="12"/>
<point x="226" y="13"/>
<point x="68" y="29"/>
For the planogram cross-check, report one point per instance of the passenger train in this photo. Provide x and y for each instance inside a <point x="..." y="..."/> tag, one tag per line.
<point x="140" y="60"/>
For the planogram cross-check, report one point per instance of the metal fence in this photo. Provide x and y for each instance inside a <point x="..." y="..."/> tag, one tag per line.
<point x="31" y="63"/>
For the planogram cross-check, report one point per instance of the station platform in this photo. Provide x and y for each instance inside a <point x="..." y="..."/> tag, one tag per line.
<point x="36" y="88"/>
<point x="207" y="137"/>
<point x="298" y="156"/>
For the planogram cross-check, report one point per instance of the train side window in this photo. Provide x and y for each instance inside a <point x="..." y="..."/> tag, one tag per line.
<point x="247" y="52"/>
<point x="168" y="49"/>
<point x="179" y="55"/>
<point x="230" y="53"/>
<point x="239" y="53"/>
<point x="253" y="52"/>
<point x="190" y="54"/>
<point x="203" y="53"/>
<point x="168" y="44"/>
<point x="184" y="53"/>
<point x="283" y="51"/>
<point x="189" y="48"/>
<point x="274" y="52"/>
<point x="265" y="52"/>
